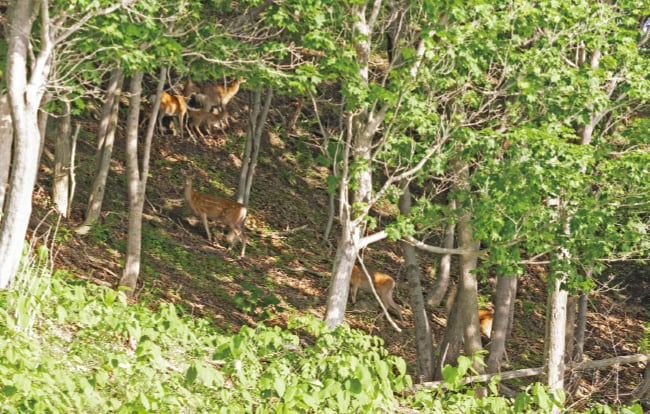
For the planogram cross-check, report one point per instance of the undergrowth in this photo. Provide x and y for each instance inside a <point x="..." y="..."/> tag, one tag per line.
<point x="67" y="345"/>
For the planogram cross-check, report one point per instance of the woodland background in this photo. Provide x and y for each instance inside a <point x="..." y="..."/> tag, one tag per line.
<point x="507" y="141"/>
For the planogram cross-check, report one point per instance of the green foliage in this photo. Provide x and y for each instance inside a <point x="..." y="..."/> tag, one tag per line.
<point x="252" y="301"/>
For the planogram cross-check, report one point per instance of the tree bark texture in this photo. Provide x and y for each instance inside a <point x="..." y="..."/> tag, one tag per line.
<point x="105" y="142"/>
<point x="6" y="137"/>
<point x="137" y="180"/>
<point x="463" y="323"/>
<point x="503" y="313"/>
<point x="423" y="334"/>
<point x="257" y="120"/>
<point x="62" y="161"/>
<point x="441" y="283"/>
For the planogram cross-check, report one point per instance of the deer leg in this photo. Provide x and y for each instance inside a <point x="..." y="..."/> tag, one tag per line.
<point x="205" y="224"/>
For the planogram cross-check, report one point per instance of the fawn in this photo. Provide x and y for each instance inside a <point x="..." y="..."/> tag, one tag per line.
<point x="172" y="105"/>
<point x="223" y="210"/>
<point x="198" y="118"/>
<point x="384" y="285"/>
<point x="210" y="96"/>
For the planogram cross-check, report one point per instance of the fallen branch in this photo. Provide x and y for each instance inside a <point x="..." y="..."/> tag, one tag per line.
<point x="529" y="372"/>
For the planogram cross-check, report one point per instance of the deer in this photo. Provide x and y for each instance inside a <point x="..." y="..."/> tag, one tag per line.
<point x="211" y="95"/>
<point x="199" y="117"/>
<point x="485" y="318"/>
<point x="384" y="285"/>
<point x="222" y="210"/>
<point x="172" y="105"/>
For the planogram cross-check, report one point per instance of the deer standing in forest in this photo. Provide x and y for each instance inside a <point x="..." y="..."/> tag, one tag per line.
<point x="384" y="285"/>
<point x="175" y="106"/>
<point x="212" y="95"/>
<point x="222" y="210"/>
<point x="199" y="118"/>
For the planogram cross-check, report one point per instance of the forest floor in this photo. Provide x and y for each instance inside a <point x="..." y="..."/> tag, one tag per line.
<point x="288" y="262"/>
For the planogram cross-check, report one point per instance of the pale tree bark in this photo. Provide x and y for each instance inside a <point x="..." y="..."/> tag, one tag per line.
<point x="361" y="126"/>
<point x="137" y="178"/>
<point x="105" y="142"/>
<point x="6" y="137"/>
<point x="423" y="334"/>
<point x="441" y="282"/>
<point x="256" y="122"/>
<point x="27" y="74"/>
<point x="554" y="343"/>
<point x="556" y="318"/>
<point x="359" y="132"/>
<point x="25" y="89"/>
<point x="62" y="162"/>
<point x="504" y="305"/>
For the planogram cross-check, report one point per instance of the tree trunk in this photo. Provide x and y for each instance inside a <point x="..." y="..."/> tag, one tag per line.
<point x="137" y="181"/>
<point x="441" y="283"/>
<point x="6" y="137"/>
<point x="463" y="323"/>
<point x="569" y="330"/>
<point x="24" y="98"/>
<point x="503" y="314"/>
<point x="581" y="326"/>
<point x="359" y="137"/>
<point x="105" y="142"/>
<point x="423" y="334"/>
<point x="62" y="162"/>
<point x="555" y="340"/>
<point x="257" y="119"/>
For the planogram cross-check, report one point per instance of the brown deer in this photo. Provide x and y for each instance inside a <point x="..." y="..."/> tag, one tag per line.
<point x="199" y="118"/>
<point x="384" y="285"/>
<point x="485" y="318"/>
<point x="172" y="105"/>
<point x="211" y="95"/>
<point x="222" y="210"/>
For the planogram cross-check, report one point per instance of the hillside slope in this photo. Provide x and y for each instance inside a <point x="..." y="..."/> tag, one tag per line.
<point x="286" y="270"/>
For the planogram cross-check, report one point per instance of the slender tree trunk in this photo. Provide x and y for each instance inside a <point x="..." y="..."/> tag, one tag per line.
<point x="106" y="140"/>
<point x="569" y="330"/>
<point x="555" y="339"/>
<point x="257" y="120"/>
<point x="6" y="137"/>
<point x="581" y="326"/>
<point x="24" y="98"/>
<point x="441" y="283"/>
<point x="503" y="315"/>
<point x="423" y="334"/>
<point x="62" y="162"/>
<point x="137" y="180"/>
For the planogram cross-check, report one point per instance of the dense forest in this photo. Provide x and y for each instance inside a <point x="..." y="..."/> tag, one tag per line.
<point x="298" y="206"/>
